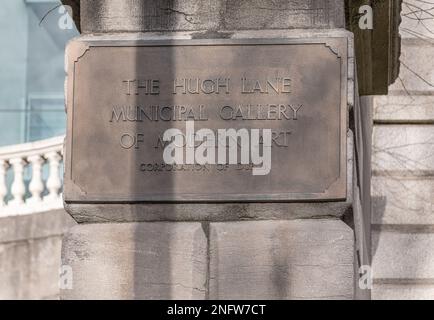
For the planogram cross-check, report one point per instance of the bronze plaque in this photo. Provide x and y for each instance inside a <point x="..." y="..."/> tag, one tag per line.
<point x="152" y="121"/>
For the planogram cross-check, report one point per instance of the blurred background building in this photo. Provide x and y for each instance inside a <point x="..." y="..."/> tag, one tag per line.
<point x="34" y="34"/>
<point x="32" y="124"/>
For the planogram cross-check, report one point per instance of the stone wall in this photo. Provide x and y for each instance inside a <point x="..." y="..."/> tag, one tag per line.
<point x="299" y="259"/>
<point x="403" y="168"/>
<point x="215" y="250"/>
<point x="102" y="16"/>
<point x="30" y="248"/>
<point x="220" y="250"/>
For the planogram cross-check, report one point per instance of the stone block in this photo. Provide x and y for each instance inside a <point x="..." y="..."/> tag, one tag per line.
<point x="30" y="269"/>
<point x="30" y="248"/>
<point x="404" y="109"/>
<point x="34" y="226"/>
<point x="417" y="19"/>
<point x="300" y="259"/>
<point x="416" y="74"/>
<point x="403" y="254"/>
<point x="402" y="200"/>
<point x="136" y="261"/>
<point x="403" y="292"/>
<point x="268" y="14"/>
<point x="403" y="148"/>
<point x="174" y="15"/>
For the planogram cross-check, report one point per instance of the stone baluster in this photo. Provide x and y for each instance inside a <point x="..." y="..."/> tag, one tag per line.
<point x="53" y="183"/>
<point x="3" y="188"/>
<point x="18" y="187"/>
<point x="36" y="186"/>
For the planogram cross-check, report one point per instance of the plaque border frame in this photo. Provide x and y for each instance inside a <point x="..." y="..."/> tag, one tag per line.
<point x="337" y="191"/>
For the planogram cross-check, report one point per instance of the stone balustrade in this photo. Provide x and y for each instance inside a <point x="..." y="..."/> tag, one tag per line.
<point x="30" y="179"/>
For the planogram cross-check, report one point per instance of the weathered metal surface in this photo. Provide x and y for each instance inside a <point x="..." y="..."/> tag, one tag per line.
<point x="123" y="96"/>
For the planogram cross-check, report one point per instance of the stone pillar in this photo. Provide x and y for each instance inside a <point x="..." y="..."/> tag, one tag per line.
<point x="213" y="250"/>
